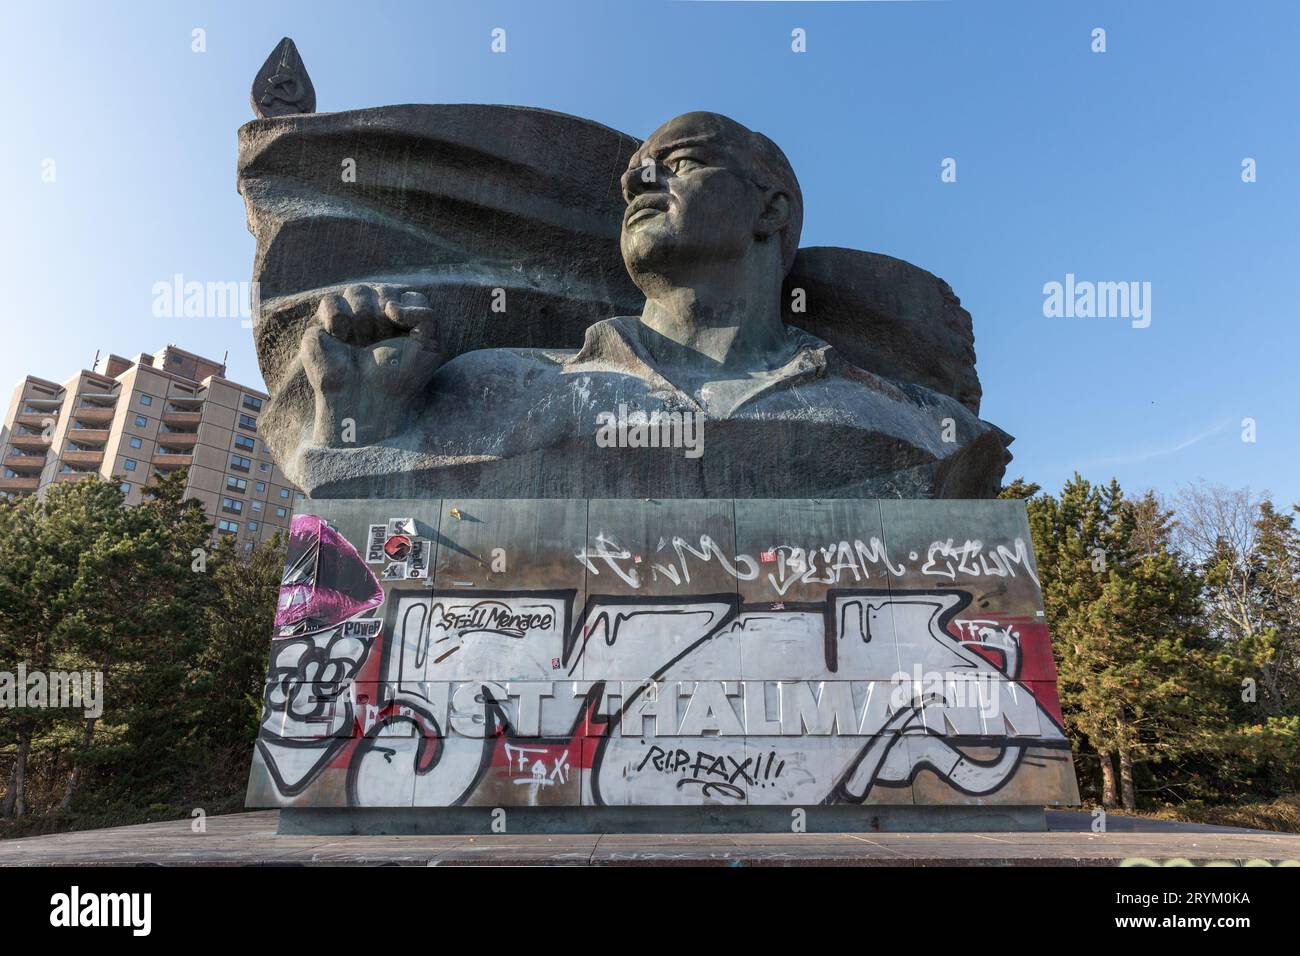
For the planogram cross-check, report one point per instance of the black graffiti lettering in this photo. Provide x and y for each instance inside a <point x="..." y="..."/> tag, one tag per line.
<point x="740" y="770"/>
<point x="494" y="617"/>
<point x="709" y="788"/>
<point x="656" y="755"/>
<point x="715" y="775"/>
<point x="717" y="766"/>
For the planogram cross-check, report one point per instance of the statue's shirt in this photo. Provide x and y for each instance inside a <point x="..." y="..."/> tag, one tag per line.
<point x="616" y="345"/>
<point x="559" y="423"/>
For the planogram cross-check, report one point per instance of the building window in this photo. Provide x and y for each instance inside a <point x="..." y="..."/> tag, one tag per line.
<point x="254" y="403"/>
<point x="231" y="505"/>
<point x="261" y="486"/>
<point x="240" y="463"/>
<point x="263" y="467"/>
<point x="141" y="421"/>
<point x="136" y="443"/>
<point x="257" y="506"/>
<point x="280" y="512"/>
<point x="247" y="421"/>
<point x="301" y="496"/>
<point x="244" y="442"/>
<point x="236" y="484"/>
<point x="228" y="527"/>
<point x="146" y="400"/>
<point x="248" y="546"/>
<point x="129" y="464"/>
<point x="284" y="492"/>
<point x="10" y="473"/>
<point x="252" y="526"/>
<point x="126" y="487"/>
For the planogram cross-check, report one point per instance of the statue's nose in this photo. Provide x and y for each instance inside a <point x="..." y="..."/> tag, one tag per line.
<point x="640" y="179"/>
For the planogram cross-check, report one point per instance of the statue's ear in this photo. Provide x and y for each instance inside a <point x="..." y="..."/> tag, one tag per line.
<point x="775" y="215"/>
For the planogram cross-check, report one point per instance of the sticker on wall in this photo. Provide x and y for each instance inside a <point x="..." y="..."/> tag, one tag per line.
<point x="375" y="538"/>
<point x="364" y="628"/>
<point x="396" y="571"/>
<point x="419" y="559"/>
<point x="397" y="547"/>
<point x="404" y="526"/>
<point x="324" y="581"/>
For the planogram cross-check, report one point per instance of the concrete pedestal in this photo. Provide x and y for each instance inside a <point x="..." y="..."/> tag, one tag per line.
<point x="398" y="821"/>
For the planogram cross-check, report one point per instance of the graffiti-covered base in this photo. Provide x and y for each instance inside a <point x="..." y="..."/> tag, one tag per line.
<point x="435" y="653"/>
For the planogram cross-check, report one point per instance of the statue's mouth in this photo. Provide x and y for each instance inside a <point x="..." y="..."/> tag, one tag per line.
<point x="643" y="214"/>
<point x="644" y="209"/>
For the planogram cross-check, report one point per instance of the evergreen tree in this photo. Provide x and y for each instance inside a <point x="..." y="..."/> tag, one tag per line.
<point x="1123" y="609"/>
<point x="43" y="542"/>
<point x="230" y="672"/>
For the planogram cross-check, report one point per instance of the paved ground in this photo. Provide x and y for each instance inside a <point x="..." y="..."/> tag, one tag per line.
<point x="250" y="838"/>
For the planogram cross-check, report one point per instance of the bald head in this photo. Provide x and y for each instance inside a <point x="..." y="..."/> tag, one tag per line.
<point x="736" y="180"/>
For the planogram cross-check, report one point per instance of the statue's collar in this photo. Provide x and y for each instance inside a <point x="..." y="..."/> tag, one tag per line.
<point x="616" y="345"/>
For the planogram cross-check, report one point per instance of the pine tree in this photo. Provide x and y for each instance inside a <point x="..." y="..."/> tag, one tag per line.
<point x="1136" y="686"/>
<point x="43" y="542"/>
<point x="230" y="672"/>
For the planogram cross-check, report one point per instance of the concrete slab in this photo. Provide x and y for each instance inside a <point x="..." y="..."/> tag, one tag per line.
<point x="250" y="839"/>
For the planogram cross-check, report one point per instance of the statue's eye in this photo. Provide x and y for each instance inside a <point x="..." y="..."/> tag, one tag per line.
<point x="684" y="164"/>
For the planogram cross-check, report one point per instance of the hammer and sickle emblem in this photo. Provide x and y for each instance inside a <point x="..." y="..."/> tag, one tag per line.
<point x="284" y="87"/>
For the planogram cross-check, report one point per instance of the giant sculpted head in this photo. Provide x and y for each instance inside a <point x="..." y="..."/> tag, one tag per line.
<point x="703" y="188"/>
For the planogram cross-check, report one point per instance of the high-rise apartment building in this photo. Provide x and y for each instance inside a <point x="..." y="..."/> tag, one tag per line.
<point x="130" y="420"/>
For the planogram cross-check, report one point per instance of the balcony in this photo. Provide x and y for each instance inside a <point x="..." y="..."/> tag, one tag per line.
<point x="36" y="419"/>
<point x="21" y="484"/>
<point x="25" y="462"/>
<point x="83" y="457"/>
<point x="173" y="416"/>
<point x="175" y="439"/>
<point x="32" y="442"/>
<point x="171" y="461"/>
<point x="93" y="415"/>
<point x="88" y="436"/>
<point x="75" y="475"/>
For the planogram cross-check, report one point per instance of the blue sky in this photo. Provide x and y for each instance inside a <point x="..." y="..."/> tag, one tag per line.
<point x="1118" y="166"/>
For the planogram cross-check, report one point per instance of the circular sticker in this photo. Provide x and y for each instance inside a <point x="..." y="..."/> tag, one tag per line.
<point x="397" y="547"/>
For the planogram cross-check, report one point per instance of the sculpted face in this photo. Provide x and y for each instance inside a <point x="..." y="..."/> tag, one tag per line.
<point x="700" y="204"/>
